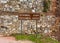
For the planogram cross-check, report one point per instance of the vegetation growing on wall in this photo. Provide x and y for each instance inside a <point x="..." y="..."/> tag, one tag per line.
<point x="46" y="5"/>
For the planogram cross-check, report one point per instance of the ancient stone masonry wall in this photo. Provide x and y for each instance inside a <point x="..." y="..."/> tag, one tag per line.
<point x="55" y="34"/>
<point x="58" y="8"/>
<point x="21" y="5"/>
<point x="56" y="28"/>
<point x="10" y="24"/>
<point x="53" y="6"/>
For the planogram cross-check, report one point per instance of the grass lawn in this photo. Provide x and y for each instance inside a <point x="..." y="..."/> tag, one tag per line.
<point x="35" y="38"/>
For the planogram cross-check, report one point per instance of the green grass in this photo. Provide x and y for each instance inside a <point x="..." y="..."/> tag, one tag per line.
<point x="38" y="39"/>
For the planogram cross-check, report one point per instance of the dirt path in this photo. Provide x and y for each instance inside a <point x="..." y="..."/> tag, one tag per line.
<point x="12" y="40"/>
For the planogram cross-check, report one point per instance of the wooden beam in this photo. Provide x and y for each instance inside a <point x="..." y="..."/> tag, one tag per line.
<point x="22" y="16"/>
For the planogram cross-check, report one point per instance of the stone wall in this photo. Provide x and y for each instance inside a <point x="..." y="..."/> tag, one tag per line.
<point x="10" y="24"/>
<point x="21" y="5"/>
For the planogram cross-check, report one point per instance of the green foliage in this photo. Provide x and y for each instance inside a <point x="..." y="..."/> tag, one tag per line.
<point x="35" y="38"/>
<point x="46" y="5"/>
